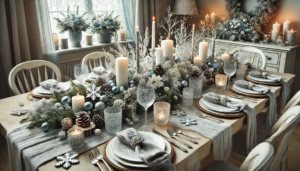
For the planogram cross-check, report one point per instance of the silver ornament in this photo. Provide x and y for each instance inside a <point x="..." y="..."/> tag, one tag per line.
<point x="122" y="89"/>
<point x="132" y="85"/>
<point x="88" y="106"/>
<point x="57" y="105"/>
<point x="93" y="92"/>
<point x="65" y="100"/>
<point x="99" y="106"/>
<point x="61" y="135"/>
<point x="104" y="98"/>
<point x="184" y="83"/>
<point x="66" y="160"/>
<point x="97" y="131"/>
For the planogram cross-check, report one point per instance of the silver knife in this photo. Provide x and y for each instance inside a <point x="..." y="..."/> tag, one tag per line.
<point x="172" y="142"/>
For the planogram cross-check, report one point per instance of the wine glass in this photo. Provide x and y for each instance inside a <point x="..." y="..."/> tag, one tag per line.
<point x="81" y="72"/>
<point x="146" y="97"/>
<point x="229" y="70"/>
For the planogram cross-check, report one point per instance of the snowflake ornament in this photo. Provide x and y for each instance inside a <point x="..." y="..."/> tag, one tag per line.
<point x="178" y="113"/>
<point x="188" y="121"/>
<point x="93" y="92"/>
<point x="19" y="112"/>
<point x="66" y="160"/>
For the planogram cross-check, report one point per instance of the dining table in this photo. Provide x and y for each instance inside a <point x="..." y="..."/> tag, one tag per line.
<point x="201" y="152"/>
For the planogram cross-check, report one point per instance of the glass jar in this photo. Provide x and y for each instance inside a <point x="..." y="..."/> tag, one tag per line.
<point x="187" y="96"/>
<point x="221" y="81"/>
<point x="113" y="120"/>
<point x="161" y="112"/>
<point x="197" y="85"/>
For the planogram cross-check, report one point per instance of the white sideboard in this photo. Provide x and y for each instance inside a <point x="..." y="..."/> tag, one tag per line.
<point x="279" y="58"/>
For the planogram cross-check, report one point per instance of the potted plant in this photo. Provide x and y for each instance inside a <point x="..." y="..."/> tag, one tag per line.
<point x="74" y="24"/>
<point x="104" y="27"/>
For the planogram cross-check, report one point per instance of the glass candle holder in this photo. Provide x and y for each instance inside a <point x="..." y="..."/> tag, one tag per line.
<point x="187" y="96"/>
<point x="290" y="37"/>
<point x="161" y="112"/>
<point x="197" y="85"/>
<point x="76" y="137"/>
<point x="241" y="72"/>
<point x="113" y="120"/>
<point x="221" y="81"/>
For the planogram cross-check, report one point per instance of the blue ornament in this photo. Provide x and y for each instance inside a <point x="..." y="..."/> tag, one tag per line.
<point x="132" y="85"/>
<point x="45" y="127"/>
<point x="210" y="64"/>
<point x="110" y="81"/>
<point x="99" y="106"/>
<point x="115" y="89"/>
<point x="184" y="83"/>
<point x="132" y="82"/>
<point x="122" y="89"/>
<point x="88" y="106"/>
<point x="208" y="56"/>
<point x="65" y="100"/>
<point x="215" y="65"/>
<point x="177" y="59"/>
<point x="150" y="74"/>
<point x="242" y="24"/>
<point x="112" y="84"/>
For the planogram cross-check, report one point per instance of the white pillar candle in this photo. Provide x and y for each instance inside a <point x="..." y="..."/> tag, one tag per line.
<point x="137" y="49"/>
<point x="122" y="35"/>
<point x="213" y="17"/>
<point x="198" y="61"/>
<point x="122" y="71"/>
<point x="159" y="56"/>
<point x="88" y="39"/>
<point x="286" y="27"/>
<point x="167" y="46"/>
<point x="274" y="35"/>
<point x="77" y="103"/>
<point x="225" y="57"/>
<point x="153" y="33"/>
<point x="193" y="43"/>
<point x="203" y="47"/>
<point x="56" y="40"/>
<point x="276" y="26"/>
<point x="207" y="18"/>
<point x="64" y="43"/>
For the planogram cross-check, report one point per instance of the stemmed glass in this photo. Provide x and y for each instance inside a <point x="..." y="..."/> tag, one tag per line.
<point x="229" y="70"/>
<point x="81" y="72"/>
<point x="146" y="97"/>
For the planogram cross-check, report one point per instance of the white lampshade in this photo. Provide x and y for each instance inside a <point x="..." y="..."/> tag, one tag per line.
<point x="185" y="7"/>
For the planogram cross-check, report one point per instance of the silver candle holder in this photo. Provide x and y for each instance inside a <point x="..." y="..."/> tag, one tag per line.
<point x="291" y="36"/>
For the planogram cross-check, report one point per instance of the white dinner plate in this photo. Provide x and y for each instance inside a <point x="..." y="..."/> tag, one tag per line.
<point x="40" y="90"/>
<point x="218" y="107"/>
<point x="123" y="163"/>
<point x="260" y="79"/>
<point x="219" y="113"/>
<point x="127" y="153"/>
<point x="244" y="90"/>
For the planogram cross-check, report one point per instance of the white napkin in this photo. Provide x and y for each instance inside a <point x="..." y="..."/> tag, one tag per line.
<point x="99" y="70"/>
<point x="241" y="106"/>
<point x="47" y="84"/>
<point x="272" y="115"/>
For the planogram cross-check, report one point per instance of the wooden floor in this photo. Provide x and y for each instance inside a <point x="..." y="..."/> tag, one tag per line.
<point x="293" y="156"/>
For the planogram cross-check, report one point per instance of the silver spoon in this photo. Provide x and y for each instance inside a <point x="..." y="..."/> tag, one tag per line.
<point x="179" y="131"/>
<point x="173" y="135"/>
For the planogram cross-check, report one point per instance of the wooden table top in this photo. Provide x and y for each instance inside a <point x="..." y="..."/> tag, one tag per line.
<point x="200" y="152"/>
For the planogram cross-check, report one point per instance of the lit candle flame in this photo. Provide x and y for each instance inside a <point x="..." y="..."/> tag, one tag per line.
<point x="207" y="14"/>
<point x="137" y="27"/>
<point x="276" y="22"/>
<point x="203" y="40"/>
<point x="153" y="18"/>
<point x="213" y="12"/>
<point x="121" y="55"/>
<point x="193" y="25"/>
<point x="77" y="94"/>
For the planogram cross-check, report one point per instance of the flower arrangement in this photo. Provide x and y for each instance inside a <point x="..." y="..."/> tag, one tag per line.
<point x="109" y="23"/>
<point x="72" y="22"/>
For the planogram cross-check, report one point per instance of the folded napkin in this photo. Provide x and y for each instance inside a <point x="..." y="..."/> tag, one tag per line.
<point x="47" y="84"/>
<point x="240" y="106"/>
<point x="153" y="156"/>
<point x="274" y="78"/>
<point x="272" y="115"/>
<point x="99" y="70"/>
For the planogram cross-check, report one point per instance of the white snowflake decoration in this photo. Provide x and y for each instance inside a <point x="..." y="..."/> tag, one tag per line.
<point x="178" y="113"/>
<point x="93" y="92"/>
<point x="66" y="160"/>
<point x="188" y="121"/>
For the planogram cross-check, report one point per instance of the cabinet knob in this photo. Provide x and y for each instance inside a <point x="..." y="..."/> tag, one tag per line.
<point x="268" y="58"/>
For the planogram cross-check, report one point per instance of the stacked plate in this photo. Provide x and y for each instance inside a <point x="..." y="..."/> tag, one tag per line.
<point x="42" y="92"/>
<point x="219" y="109"/>
<point x="244" y="90"/>
<point x="261" y="80"/>
<point x="124" y="156"/>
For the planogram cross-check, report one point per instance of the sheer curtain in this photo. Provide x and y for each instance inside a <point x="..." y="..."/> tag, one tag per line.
<point x="127" y="16"/>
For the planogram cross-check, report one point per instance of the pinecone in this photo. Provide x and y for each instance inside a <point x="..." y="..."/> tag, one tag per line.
<point x="105" y="87"/>
<point x="207" y="74"/>
<point x="100" y="81"/>
<point x="195" y="74"/>
<point x="83" y="119"/>
<point x="98" y="121"/>
<point x="159" y="70"/>
<point x="66" y="123"/>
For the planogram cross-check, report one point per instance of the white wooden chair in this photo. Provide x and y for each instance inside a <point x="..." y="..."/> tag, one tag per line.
<point x="257" y="58"/>
<point x="30" y="65"/>
<point x="98" y="59"/>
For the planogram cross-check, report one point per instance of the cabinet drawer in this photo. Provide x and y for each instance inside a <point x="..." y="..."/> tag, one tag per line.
<point x="272" y="58"/>
<point x="272" y="69"/>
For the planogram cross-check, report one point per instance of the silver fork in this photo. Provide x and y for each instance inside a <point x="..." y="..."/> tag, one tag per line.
<point x="100" y="157"/>
<point x="247" y="98"/>
<point x="211" y="118"/>
<point x="94" y="160"/>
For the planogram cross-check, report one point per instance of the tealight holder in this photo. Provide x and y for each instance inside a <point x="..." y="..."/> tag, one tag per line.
<point x="161" y="113"/>
<point x="113" y="120"/>
<point x="76" y="137"/>
<point x="290" y="37"/>
<point x="221" y="81"/>
<point x="187" y="96"/>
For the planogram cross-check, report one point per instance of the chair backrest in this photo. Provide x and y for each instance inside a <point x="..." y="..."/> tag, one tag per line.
<point x="256" y="57"/>
<point x="96" y="59"/>
<point x="281" y="134"/>
<point x="295" y="100"/>
<point x="260" y="158"/>
<point x="29" y="65"/>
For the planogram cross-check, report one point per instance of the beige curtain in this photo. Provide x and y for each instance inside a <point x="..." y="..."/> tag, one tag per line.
<point x="19" y="38"/>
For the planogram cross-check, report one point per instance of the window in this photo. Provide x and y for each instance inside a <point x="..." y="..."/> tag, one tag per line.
<point x="95" y="6"/>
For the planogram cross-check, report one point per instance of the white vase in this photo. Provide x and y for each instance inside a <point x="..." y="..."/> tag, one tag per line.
<point x="75" y="38"/>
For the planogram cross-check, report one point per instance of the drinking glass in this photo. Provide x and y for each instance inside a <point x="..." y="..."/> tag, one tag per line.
<point x="81" y="72"/>
<point x="188" y="96"/>
<point x="146" y="97"/>
<point x="229" y="70"/>
<point x="113" y="120"/>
